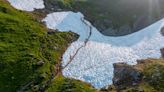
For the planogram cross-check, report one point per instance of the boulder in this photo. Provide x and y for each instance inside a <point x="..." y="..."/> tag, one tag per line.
<point x="125" y="75"/>
<point x="162" y="52"/>
<point x="162" y="31"/>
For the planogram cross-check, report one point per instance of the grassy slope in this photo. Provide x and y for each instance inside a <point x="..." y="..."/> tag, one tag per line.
<point x="62" y="84"/>
<point x="23" y="43"/>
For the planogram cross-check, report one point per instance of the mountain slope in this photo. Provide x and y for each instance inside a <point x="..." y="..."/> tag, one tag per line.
<point x="30" y="57"/>
<point x="113" y="17"/>
<point x="28" y="52"/>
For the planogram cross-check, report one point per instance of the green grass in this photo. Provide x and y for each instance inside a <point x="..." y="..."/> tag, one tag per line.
<point x="154" y="75"/>
<point x="23" y="43"/>
<point x="19" y="49"/>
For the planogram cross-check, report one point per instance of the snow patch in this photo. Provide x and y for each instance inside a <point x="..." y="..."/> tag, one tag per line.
<point x="94" y="62"/>
<point x="27" y="5"/>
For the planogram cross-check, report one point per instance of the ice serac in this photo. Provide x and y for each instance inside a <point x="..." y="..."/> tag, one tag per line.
<point x="94" y="62"/>
<point x="27" y="5"/>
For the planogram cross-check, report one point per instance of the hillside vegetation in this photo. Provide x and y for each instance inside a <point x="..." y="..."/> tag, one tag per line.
<point x="28" y="54"/>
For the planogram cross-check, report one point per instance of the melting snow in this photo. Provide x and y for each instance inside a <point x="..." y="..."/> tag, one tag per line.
<point x="94" y="62"/>
<point x="27" y="5"/>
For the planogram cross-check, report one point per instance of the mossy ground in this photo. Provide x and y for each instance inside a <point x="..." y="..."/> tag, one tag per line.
<point x="23" y="43"/>
<point x="62" y="84"/>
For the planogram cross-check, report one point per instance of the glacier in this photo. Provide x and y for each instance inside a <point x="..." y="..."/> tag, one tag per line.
<point x="27" y="5"/>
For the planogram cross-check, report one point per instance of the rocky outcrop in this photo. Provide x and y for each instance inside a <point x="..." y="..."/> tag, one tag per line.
<point x="162" y="31"/>
<point x="162" y="52"/>
<point x="146" y="76"/>
<point x="125" y="75"/>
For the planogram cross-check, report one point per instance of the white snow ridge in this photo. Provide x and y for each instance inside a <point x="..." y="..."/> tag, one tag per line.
<point x="27" y="5"/>
<point x="94" y="62"/>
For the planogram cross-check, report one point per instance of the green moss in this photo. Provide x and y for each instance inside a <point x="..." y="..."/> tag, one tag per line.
<point x="61" y="84"/>
<point x="141" y="87"/>
<point x="23" y="43"/>
<point x="66" y="3"/>
<point x="154" y="75"/>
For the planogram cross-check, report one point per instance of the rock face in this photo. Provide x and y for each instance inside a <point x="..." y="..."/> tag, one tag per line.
<point x="51" y="6"/>
<point x="125" y="75"/>
<point x="162" y="31"/>
<point x="162" y="52"/>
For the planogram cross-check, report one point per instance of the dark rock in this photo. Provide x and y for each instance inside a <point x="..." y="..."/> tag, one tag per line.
<point x="50" y="31"/>
<point x="40" y="63"/>
<point x="141" y="61"/>
<point x="109" y="88"/>
<point x="162" y="31"/>
<point x="125" y="75"/>
<point x="103" y="89"/>
<point x="123" y="30"/>
<point x="162" y="52"/>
